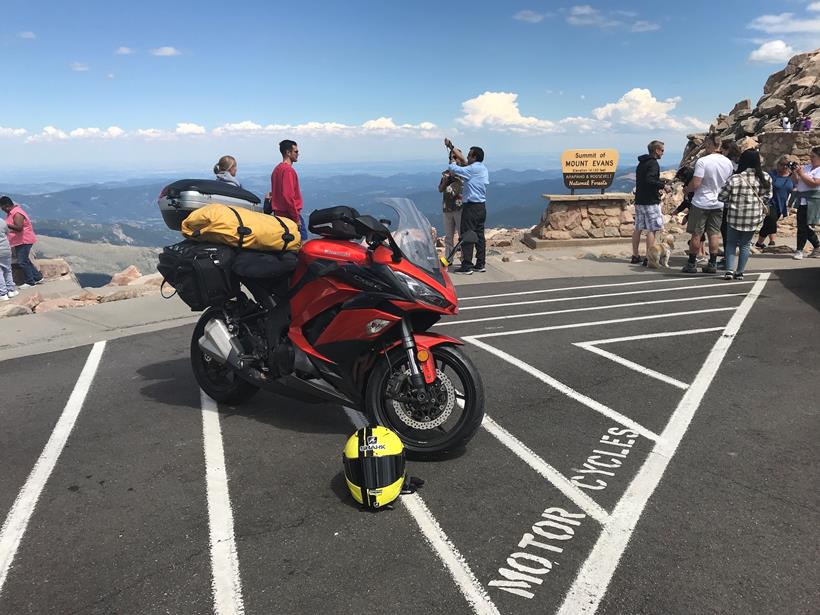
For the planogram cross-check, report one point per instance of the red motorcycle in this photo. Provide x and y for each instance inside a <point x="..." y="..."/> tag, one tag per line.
<point x="351" y="325"/>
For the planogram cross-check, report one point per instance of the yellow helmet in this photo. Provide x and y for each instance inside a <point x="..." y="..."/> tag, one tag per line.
<point x="374" y="466"/>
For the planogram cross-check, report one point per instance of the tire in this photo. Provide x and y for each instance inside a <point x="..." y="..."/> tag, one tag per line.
<point x="416" y="424"/>
<point x="219" y="382"/>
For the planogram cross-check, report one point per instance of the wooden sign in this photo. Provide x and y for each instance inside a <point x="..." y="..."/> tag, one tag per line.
<point x="589" y="168"/>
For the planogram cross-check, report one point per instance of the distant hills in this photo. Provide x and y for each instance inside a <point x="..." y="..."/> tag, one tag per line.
<point x="126" y="213"/>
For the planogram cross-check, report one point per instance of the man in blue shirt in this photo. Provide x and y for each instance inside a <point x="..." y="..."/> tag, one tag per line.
<point x="474" y="210"/>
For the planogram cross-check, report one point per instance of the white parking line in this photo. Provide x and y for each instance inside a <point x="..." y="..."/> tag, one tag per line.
<point x="587" y="309"/>
<point x="596" y="573"/>
<point x="561" y="387"/>
<point x="470" y="587"/>
<point x="600" y="296"/>
<point x="558" y="290"/>
<point x="646" y="371"/>
<point x="646" y="336"/>
<point x="17" y="520"/>
<point x="561" y="482"/>
<point x="226" y="583"/>
<point x="576" y="325"/>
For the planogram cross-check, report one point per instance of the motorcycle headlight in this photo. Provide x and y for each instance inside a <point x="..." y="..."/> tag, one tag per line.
<point x="421" y="291"/>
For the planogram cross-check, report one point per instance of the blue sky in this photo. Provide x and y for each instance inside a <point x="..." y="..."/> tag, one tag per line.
<point x="153" y="85"/>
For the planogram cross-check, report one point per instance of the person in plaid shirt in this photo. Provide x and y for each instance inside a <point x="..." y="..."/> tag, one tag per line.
<point x="745" y="196"/>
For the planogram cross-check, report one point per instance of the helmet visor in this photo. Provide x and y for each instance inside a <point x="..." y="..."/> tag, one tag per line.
<point x="374" y="472"/>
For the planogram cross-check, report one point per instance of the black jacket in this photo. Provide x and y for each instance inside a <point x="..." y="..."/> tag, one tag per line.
<point x="648" y="182"/>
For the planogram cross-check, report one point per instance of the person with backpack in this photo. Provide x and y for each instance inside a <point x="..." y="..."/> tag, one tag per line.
<point x="745" y="197"/>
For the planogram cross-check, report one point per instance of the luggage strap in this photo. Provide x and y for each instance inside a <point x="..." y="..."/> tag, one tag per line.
<point x="287" y="237"/>
<point x="241" y="230"/>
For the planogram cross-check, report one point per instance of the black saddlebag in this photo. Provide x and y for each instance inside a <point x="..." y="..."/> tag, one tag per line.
<point x="258" y="264"/>
<point x="199" y="272"/>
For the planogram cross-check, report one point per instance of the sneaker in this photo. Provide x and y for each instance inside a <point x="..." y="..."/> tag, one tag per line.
<point x="772" y="243"/>
<point x="13" y="293"/>
<point x="761" y="246"/>
<point x="22" y="286"/>
<point x="815" y="253"/>
<point x="728" y="275"/>
<point x="464" y="270"/>
<point x="4" y="298"/>
<point x="481" y="269"/>
<point x="690" y="268"/>
<point x="739" y="276"/>
<point x="644" y="263"/>
<point x="709" y="268"/>
<point x="798" y="255"/>
<point x="40" y="281"/>
<point x="635" y="260"/>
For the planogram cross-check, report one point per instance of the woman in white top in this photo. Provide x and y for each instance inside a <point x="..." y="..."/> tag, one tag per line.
<point x="225" y="171"/>
<point x="807" y="179"/>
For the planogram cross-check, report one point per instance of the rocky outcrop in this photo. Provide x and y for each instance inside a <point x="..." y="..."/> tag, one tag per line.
<point x="793" y="91"/>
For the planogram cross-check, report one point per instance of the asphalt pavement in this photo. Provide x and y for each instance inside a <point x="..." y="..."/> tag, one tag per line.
<point x="648" y="448"/>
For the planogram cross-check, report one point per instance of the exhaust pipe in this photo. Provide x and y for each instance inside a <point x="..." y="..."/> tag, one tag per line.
<point x="218" y="342"/>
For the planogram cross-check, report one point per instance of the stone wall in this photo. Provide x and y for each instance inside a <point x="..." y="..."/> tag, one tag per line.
<point x="586" y="216"/>
<point x="775" y="144"/>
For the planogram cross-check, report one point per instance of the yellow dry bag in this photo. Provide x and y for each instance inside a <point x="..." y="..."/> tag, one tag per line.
<point x="242" y="228"/>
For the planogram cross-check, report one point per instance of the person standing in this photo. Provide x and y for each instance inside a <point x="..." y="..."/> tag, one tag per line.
<point x="745" y="200"/>
<point x="21" y="239"/>
<point x="706" y="213"/>
<point x="786" y="124"/>
<point x="7" y="287"/>
<point x="648" y="214"/>
<point x="474" y="204"/>
<point x="782" y="187"/>
<point x="285" y="196"/>
<point x="450" y="188"/>
<point x="225" y="171"/>
<point x="808" y="204"/>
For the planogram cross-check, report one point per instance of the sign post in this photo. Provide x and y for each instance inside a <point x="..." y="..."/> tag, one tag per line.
<point x="589" y="168"/>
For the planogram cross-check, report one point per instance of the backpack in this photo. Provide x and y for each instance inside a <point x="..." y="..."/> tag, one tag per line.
<point x="199" y="272"/>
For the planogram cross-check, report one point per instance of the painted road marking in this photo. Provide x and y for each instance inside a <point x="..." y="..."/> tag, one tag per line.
<point x="563" y="388"/>
<point x="594" y="308"/>
<point x="469" y="586"/>
<point x="596" y="573"/>
<point x="561" y="482"/>
<point x="610" y="285"/>
<point x="600" y="322"/>
<point x="226" y="583"/>
<point x="601" y="296"/>
<point x="17" y="520"/>
<point x="593" y="347"/>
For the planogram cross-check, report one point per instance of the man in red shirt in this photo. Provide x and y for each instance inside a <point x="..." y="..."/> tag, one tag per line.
<point x="285" y="196"/>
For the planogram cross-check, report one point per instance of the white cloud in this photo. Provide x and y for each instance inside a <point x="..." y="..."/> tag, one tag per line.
<point x="166" y="52"/>
<point x="382" y="125"/>
<point x="772" y="52"/>
<point x="529" y="16"/>
<point x="110" y="76"/>
<point x="645" y="26"/>
<point x="152" y="133"/>
<point x="585" y="15"/>
<point x="79" y="67"/>
<point x="186" y="128"/>
<point x="12" y="132"/>
<point x="27" y="35"/>
<point x="499" y="111"/>
<point x="124" y="51"/>
<point x="49" y="133"/>
<point x="785" y="23"/>
<point x="814" y="6"/>
<point x="584" y="124"/>
<point x="639" y="108"/>
<point x="112" y="132"/>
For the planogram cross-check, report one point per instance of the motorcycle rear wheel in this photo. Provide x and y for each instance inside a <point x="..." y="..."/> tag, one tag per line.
<point x="443" y="425"/>
<point x="219" y="382"/>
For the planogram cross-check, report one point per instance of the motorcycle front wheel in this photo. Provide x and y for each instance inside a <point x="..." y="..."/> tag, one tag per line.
<point x="445" y="421"/>
<point x="219" y="381"/>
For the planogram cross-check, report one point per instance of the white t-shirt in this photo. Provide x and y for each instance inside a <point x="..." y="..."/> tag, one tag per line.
<point x="813" y="173"/>
<point x="714" y="170"/>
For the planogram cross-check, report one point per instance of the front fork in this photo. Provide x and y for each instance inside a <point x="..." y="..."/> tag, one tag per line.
<point x="422" y="366"/>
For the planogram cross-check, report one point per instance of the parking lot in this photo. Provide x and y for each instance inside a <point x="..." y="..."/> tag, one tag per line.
<point x="649" y="447"/>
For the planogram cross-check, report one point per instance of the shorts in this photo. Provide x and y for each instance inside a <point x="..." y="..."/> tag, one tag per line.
<point x="704" y="220"/>
<point x="648" y="217"/>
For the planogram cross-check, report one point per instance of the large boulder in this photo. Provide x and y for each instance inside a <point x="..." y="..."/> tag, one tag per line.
<point x="124" y="277"/>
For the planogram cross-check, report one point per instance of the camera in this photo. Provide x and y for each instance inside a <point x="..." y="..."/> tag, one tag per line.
<point x="793" y="165"/>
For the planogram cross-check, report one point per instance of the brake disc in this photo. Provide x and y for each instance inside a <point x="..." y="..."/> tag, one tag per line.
<point x="444" y="407"/>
